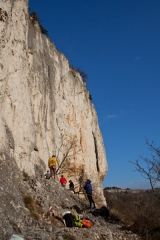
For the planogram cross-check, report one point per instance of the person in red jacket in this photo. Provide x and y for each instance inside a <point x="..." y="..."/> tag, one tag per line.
<point x="63" y="181"/>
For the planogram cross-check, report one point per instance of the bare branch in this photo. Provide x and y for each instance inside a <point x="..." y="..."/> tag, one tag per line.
<point x="68" y="148"/>
<point x="151" y="171"/>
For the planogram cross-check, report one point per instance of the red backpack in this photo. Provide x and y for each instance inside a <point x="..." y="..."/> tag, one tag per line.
<point x="87" y="223"/>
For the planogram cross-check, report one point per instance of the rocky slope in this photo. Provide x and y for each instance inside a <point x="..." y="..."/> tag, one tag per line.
<point x="44" y="104"/>
<point x="25" y="201"/>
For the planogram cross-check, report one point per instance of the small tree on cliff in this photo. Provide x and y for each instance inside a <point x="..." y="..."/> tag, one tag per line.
<point x="151" y="170"/>
<point x="34" y="19"/>
<point x="83" y="74"/>
<point x="68" y="149"/>
<point x="78" y="173"/>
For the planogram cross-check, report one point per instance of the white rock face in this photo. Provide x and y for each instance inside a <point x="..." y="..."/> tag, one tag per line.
<point x="44" y="104"/>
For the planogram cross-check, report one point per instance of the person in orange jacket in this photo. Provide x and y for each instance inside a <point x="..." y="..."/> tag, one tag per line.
<point x="52" y="164"/>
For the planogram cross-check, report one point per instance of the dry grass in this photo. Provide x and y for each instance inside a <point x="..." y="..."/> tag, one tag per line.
<point x="68" y="237"/>
<point x="37" y="213"/>
<point x="140" y="212"/>
<point x="34" y="209"/>
<point x="25" y="176"/>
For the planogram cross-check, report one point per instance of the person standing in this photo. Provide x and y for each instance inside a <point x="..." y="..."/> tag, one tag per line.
<point x="88" y="189"/>
<point x="52" y="164"/>
<point x="63" y="181"/>
<point x="71" y="185"/>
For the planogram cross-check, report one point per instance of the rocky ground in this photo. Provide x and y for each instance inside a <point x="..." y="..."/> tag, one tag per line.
<point x="25" y="201"/>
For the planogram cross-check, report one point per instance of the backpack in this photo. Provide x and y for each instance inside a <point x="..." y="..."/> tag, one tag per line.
<point x="96" y="212"/>
<point x="78" y="210"/>
<point x="104" y="212"/>
<point x="69" y="220"/>
<point x="87" y="223"/>
<point x="78" y="222"/>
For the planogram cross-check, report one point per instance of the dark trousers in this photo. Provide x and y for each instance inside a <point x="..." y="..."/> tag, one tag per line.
<point x="89" y="195"/>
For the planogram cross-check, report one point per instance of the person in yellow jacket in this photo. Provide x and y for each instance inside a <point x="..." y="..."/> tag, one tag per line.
<point x="52" y="164"/>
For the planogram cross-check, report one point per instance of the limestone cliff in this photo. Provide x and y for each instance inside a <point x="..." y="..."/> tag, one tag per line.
<point x="44" y="104"/>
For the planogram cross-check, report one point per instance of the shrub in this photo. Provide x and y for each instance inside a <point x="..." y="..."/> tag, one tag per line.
<point x="90" y="97"/>
<point x="34" y="19"/>
<point x="83" y="74"/>
<point x="43" y="30"/>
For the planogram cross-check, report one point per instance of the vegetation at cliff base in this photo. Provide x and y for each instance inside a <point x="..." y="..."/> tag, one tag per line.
<point x="138" y="210"/>
<point x="106" y="188"/>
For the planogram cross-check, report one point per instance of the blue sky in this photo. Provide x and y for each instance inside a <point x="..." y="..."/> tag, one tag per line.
<point x="117" y="43"/>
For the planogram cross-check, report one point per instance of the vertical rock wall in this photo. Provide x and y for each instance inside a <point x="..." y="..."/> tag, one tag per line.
<point x="44" y="104"/>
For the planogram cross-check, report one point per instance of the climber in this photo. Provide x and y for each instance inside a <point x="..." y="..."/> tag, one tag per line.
<point x="52" y="164"/>
<point x="71" y="185"/>
<point x="88" y="189"/>
<point x="47" y="175"/>
<point x="63" y="181"/>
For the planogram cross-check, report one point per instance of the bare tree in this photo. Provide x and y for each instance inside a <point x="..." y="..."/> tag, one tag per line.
<point x="151" y="170"/>
<point x="68" y="149"/>
<point x="80" y="174"/>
